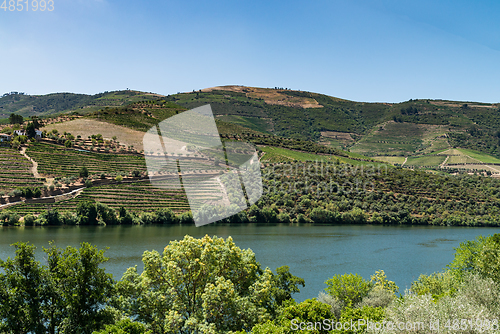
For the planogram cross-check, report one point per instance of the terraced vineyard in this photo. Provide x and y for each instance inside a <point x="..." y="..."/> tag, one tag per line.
<point x="15" y="171"/>
<point x="56" y="160"/>
<point x="138" y="196"/>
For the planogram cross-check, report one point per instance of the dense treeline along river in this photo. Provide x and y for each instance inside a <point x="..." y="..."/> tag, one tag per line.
<point x="312" y="252"/>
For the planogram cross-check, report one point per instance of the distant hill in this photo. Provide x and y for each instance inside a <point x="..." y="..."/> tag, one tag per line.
<point x="411" y="128"/>
<point x="394" y="129"/>
<point x="45" y="105"/>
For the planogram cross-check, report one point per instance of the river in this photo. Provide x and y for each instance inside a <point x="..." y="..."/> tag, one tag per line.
<point x="313" y="252"/>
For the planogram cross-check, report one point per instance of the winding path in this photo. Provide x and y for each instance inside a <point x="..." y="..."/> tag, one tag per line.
<point x="34" y="168"/>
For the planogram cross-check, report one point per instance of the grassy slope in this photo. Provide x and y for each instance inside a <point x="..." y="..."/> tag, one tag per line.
<point x="278" y="154"/>
<point x="434" y="118"/>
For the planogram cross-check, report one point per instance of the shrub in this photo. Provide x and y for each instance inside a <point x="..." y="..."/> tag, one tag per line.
<point x="17" y="192"/>
<point x="119" y="178"/>
<point x="84" y="172"/>
<point x="377" y="298"/>
<point x="29" y="220"/>
<point x="476" y="299"/>
<point x="14" y="219"/>
<point x="437" y="285"/>
<point x="349" y="289"/>
<point x="68" y="218"/>
<point x="124" y="326"/>
<point x="335" y="304"/>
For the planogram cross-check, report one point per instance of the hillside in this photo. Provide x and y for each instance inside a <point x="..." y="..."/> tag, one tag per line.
<point x="355" y="125"/>
<point x="44" y="105"/>
<point x="307" y="177"/>
<point x="412" y="131"/>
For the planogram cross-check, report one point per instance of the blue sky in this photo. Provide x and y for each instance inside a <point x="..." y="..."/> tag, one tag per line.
<point x="381" y="50"/>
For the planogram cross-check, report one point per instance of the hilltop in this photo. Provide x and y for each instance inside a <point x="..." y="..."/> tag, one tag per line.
<point x="57" y="103"/>
<point x="410" y="133"/>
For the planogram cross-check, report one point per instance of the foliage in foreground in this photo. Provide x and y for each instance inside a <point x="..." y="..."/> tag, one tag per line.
<point x="206" y="285"/>
<point x="209" y="285"/>
<point x="63" y="296"/>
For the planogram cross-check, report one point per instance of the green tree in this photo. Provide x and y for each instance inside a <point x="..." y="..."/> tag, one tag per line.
<point x="23" y="291"/>
<point x="83" y="285"/>
<point x="298" y="317"/>
<point x="30" y="130"/>
<point x="16" y="119"/>
<point x="83" y="172"/>
<point x="284" y="284"/>
<point x="348" y="288"/>
<point x="198" y="285"/>
<point x="86" y="212"/>
<point x="68" y="295"/>
<point x="36" y="122"/>
<point x="124" y="326"/>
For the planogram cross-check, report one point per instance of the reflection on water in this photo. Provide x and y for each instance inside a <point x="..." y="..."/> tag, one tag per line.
<point x="312" y="252"/>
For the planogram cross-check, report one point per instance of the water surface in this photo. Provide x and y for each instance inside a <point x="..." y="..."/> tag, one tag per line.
<point x="313" y="252"/>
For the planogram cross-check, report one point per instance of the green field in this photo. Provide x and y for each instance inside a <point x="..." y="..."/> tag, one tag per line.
<point x="397" y="138"/>
<point x="432" y="160"/>
<point x="438" y="144"/>
<point x="391" y="160"/>
<point x="485" y="158"/>
<point x="254" y="123"/>
<point x="278" y="155"/>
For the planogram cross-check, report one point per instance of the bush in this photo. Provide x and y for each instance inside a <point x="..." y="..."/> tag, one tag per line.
<point x="349" y="289"/>
<point x="68" y="218"/>
<point x="119" y="178"/>
<point x="124" y="326"/>
<point x="37" y="192"/>
<point x="29" y="220"/>
<point x="17" y="192"/>
<point x="335" y="305"/>
<point x="437" y="285"/>
<point x="377" y="298"/>
<point x="165" y="216"/>
<point x="88" y="183"/>
<point x="14" y="219"/>
<point x="476" y="299"/>
<point x="290" y="317"/>
<point x="84" y="172"/>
